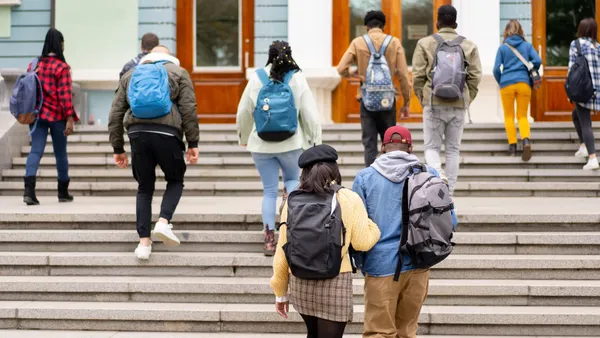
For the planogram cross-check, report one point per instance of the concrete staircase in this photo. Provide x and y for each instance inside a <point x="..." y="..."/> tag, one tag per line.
<point x="526" y="261"/>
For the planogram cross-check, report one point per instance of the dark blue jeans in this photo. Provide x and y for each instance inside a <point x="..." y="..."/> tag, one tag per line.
<point x="38" y="144"/>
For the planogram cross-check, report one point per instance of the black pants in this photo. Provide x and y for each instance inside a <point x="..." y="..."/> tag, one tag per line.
<point x="322" y="328"/>
<point x="582" y="119"/>
<point x="374" y="124"/>
<point x="147" y="151"/>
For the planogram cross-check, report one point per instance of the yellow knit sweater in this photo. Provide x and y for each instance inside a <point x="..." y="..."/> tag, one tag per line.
<point x="360" y="231"/>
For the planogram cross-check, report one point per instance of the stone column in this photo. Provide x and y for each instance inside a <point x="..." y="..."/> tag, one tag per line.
<point x="310" y="35"/>
<point x="479" y="21"/>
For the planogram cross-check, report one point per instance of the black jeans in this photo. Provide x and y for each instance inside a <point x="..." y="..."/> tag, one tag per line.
<point x="147" y="151"/>
<point x="374" y="124"/>
<point x="582" y="119"/>
<point x="322" y="328"/>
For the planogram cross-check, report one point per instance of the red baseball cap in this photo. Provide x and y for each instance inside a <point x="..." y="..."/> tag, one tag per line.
<point x="405" y="136"/>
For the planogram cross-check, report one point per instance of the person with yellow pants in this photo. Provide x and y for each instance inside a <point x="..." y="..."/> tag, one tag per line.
<point x="515" y="85"/>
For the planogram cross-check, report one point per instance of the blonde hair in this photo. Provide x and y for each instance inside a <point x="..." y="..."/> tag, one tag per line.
<point x="513" y="27"/>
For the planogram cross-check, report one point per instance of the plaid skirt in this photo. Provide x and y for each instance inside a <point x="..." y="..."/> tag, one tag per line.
<point x="329" y="299"/>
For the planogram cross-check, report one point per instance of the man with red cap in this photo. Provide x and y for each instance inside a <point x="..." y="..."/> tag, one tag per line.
<point x="391" y="308"/>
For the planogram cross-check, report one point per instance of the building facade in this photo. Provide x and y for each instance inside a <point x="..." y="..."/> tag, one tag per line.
<point x="221" y="42"/>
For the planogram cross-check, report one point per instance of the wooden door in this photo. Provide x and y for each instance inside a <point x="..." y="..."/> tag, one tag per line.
<point x="215" y="43"/>
<point x="555" y="24"/>
<point x="407" y="19"/>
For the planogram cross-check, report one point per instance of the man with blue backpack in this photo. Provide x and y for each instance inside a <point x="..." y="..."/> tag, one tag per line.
<point x="378" y="58"/>
<point x="156" y="103"/>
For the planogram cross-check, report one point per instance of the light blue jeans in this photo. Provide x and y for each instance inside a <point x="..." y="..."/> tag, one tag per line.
<point x="268" y="167"/>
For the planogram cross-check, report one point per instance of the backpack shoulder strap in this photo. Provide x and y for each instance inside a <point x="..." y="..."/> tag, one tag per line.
<point x="578" y="46"/>
<point x="370" y="44"/>
<point x="404" y="235"/>
<point x="519" y="56"/>
<point x="385" y="44"/>
<point x="288" y="76"/>
<point x="263" y="76"/>
<point x="438" y="38"/>
<point x="457" y="40"/>
<point x="34" y="64"/>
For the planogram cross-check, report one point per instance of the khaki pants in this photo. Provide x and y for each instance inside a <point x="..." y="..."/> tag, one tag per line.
<point x="392" y="308"/>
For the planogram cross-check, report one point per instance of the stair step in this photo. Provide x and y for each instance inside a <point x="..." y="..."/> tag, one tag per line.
<point x="116" y="334"/>
<point x="474" y="243"/>
<point x="256" y="290"/>
<point x="224" y="264"/>
<point x="458" y="320"/>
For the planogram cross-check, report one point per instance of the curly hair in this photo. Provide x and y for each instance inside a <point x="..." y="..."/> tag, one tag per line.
<point x="280" y="57"/>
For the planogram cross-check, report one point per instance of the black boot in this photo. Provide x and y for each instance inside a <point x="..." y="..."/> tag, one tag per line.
<point x="63" y="191"/>
<point x="512" y="150"/>
<point x="29" y="196"/>
<point x="526" y="156"/>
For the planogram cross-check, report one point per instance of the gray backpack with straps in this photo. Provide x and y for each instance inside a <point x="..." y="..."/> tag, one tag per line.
<point x="378" y="92"/>
<point x="315" y="235"/>
<point x="427" y="225"/>
<point x="449" y="71"/>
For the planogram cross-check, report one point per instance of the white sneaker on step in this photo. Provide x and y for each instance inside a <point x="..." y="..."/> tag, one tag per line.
<point x="592" y="164"/>
<point x="163" y="232"/>
<point x="143" y="252"/>
<point x="582" y="152"/>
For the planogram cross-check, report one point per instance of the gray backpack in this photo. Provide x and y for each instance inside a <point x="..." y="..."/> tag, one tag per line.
<point x="427" y="224"/>
<point x="27" y="96"/>
<point x="378" y="92"/>
<point x="315" y="235"/>
<point x="449" y="71"/>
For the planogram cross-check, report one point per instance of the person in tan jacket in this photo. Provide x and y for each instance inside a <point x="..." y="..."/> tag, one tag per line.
<point x="358" y="53"/>
<point x="443" y="121"/>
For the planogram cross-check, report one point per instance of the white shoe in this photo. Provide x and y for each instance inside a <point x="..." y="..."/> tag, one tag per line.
<point x="592" y="164"/>
<point x="163" y="232"/>
<point x="582" y="152"/>
<point x="143" y="252"/>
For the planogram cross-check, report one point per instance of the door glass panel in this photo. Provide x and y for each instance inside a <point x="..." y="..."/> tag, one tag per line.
<point x="358" y="10"/>
<point x="417" y="23"/>
<point x="562" y="20"/>
<point x="218" y="33"/>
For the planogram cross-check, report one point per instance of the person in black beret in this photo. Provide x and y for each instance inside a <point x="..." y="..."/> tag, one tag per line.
<point x="320" y="153"/>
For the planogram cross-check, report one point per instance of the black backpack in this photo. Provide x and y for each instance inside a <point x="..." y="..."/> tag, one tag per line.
<point x="579" y="85"/>
<point x="315" y="235"/>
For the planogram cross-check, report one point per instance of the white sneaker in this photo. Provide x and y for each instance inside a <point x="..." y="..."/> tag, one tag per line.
<point x="165" y="234"/>
<point x="592" y="164"/>
<point x="443" y="176"/>
<point x="582" y="152"/>
<point x="143" y="252"/>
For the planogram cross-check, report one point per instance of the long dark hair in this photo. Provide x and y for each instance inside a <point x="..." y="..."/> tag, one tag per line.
<point x="54" y="44"/>
<point x="280" y="57"/>
<point x="318" y="177"/>
<point x="588" y="29"/>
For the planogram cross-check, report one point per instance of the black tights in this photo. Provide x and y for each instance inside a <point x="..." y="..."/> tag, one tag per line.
<point x="322" y="328"/>
<point x="582" y="120"/>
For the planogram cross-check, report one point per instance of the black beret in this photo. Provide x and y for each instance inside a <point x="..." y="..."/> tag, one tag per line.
<point x="320" y="153"/>
<point x="375" y="15"/>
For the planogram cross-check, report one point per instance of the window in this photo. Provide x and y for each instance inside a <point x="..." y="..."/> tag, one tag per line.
<point x="218" y="35"/>
<point x="417" y="23"/>
<point x="562" y="21"/>
<point x="358" y="10"/>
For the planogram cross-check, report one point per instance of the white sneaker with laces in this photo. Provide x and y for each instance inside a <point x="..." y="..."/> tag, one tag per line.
<point x="143" y="252"/>
<point x="163" y="232"/>
<point x="592" y="164"/>
<point x="582" y="152"/>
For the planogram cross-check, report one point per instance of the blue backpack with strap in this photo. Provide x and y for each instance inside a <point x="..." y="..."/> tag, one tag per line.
<point x="275" y="115"/>
<point x="149" y="94"/>
<point x="27" y="96"/>
<point x="378" y="92"/>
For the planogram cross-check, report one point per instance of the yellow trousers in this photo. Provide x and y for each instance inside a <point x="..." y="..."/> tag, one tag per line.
<point x="521" y="93"/>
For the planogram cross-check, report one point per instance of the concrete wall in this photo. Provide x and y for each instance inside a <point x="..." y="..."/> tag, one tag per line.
<point x="158" y="17"/>
<point x="270" y="23"/>
<point x="29" y="23"/>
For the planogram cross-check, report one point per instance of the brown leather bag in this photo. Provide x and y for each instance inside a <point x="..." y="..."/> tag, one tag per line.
<point x="28" y="118"/>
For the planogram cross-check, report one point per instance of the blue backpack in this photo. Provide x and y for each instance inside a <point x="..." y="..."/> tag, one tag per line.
<point x="149" y="94"/>
<point x="378" y="92"/>
<point x="275" y="115"/>
<point x="24" y="100"/>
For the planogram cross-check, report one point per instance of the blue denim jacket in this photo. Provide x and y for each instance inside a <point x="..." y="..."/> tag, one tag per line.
<point x="380" y="187"/>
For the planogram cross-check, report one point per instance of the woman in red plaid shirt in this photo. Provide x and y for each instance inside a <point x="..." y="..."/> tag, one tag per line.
<point x="57" y="116"/>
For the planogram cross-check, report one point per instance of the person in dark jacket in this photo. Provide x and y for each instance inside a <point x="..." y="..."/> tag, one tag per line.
<point x="57" y="116"/>
<point x="157" y="141"/>
<point x="149" y="41"/>
<point x="515" y="84"/>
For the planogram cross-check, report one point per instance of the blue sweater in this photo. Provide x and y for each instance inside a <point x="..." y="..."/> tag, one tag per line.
<point x="514" y="71"/>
